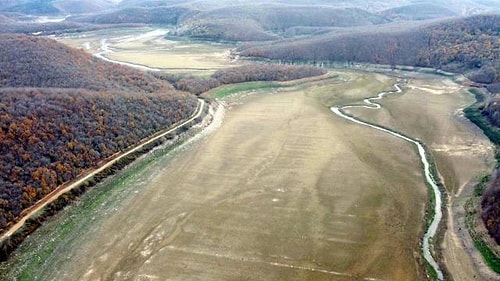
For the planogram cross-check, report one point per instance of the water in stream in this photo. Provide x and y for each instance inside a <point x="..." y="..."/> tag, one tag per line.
<point x="432" y="229"/>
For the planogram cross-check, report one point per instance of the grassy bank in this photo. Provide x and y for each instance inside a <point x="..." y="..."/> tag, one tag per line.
<point x="227" y="90"/>
<point x="230" y="89"/>
<point x="96" y="198"/>
<point x="11" y="243"/>
<point x="473" y="113"/>
<point x="429" y="216"/>
<point x="472" y="206"/>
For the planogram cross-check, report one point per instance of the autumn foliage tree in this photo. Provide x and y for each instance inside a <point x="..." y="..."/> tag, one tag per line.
<point x="63" y="111"/>
<point x="467" y="45"/>
<point x="245" y="73"/>
<point x="490" y="206"/>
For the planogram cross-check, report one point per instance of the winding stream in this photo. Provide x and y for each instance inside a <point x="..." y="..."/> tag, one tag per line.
<point x="431" y="231"/>
<point x="370" y="104"/>
<point x="105" y="50"/>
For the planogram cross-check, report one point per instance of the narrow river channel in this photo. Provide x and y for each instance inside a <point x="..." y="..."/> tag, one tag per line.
<point x="105" y="49"/>
<point x="432" y="229"/>
<point x="370" y="104"/>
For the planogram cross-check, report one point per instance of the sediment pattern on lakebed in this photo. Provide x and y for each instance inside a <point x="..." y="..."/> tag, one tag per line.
<point x="283" y="190"/>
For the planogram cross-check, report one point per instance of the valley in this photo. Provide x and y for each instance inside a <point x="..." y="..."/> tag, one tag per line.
<point x="249" y="140"/>
<point x="236" y="198"/>
<point x="283" y="190"/>
<point x="147" y="49"/>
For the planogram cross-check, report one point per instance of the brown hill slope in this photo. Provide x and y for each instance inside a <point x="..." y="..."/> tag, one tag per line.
<point x="460" y="45"/>
<point x="62" y="111"/>
<point x="53" y="7"/>
<point x="268" y="22"/>
<point x="156" y="15"/>
<point x="419" y="11"/>
<point x="14" y="23"/>
<point x="248" y="22"/>
<point x="39" y="62"/>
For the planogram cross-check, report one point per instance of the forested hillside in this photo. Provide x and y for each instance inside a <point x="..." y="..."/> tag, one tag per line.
<point x="27" y="61"/>
<point x="62" y="111"/>
<point x="52" y="7"/>
<point x="419" y="11"/>
<point x="490" y="203"/>
<point x="245" y="73"/>
<point x="157" y="15"/>
<point x="491" y="110"/>
<point x="12" y="25"/>
<point x="460" y="7"/>
<point x="490" y="206"/>
<point x="381" y="44"/>
<point x="49" y="136"/>
<point x="462" y="45"/>
<point x="268" y="22"/>
<point x="237" y="22"/>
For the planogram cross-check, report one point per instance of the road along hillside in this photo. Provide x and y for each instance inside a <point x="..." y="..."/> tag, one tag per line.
<point x="280" y="191"/>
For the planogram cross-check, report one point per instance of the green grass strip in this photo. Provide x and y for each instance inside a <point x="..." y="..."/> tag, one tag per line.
<point x="490" y="257"/>
<point x="227" y="90"/>
<point x="473" y="113"/>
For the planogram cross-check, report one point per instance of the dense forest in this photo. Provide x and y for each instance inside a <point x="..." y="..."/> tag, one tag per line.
<point x="62" y="111"/>
<point x="491" y="110"/>
<point x="245" y="73"/>
<point x="13" y="25"/>
<point x="490" y="208"/>
<point x="461" y="45"/>
<point x="54" y="7"/>
<point x="27" y="61"/>
<point x="270" y="22"/>
<point x="418" y="11"/>
<point x="236" y="22"/>
<point x="264" y="72"/>
<point x="159" y="15"/>
<point x="485" y="113"/>
<point x="49" y="136"/>
<point x="490" y="204"/>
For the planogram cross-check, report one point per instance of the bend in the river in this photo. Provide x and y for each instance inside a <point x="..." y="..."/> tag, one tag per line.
<point x="433" y="227"/>
<point x="105" y="50"/>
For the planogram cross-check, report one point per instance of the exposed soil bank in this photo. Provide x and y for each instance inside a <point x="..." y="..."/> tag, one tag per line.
<point x="280" y="191"/>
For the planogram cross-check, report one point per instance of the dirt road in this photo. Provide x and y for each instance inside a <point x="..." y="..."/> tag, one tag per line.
<point x="51" y="197"/>
<point x="283" y="190"/>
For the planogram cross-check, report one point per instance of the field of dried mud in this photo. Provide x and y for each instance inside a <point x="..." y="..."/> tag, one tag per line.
<point x="282" y="190"/>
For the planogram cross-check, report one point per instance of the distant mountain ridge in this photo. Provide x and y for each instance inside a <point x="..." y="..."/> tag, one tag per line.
<point x="54" y="7"/>
<point x="418" y="12"/>
<point x="238" y="22"/>
<point x="458" y="45"/>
